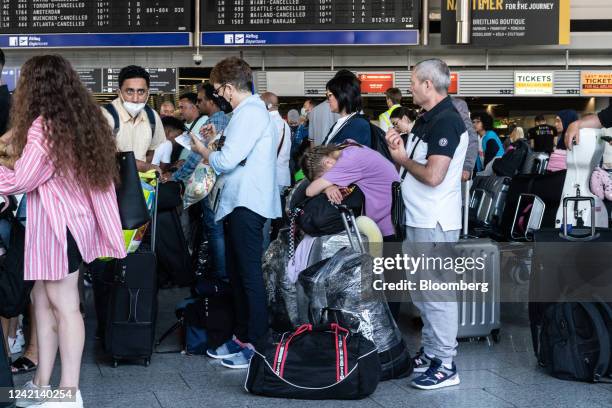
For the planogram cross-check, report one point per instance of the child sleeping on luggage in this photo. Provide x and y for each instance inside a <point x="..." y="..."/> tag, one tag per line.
<point x="331" y="168"/>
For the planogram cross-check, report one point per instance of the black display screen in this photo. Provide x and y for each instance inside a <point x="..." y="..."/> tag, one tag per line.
<point x="95" y="16"/>
<point x="294" y="15"/>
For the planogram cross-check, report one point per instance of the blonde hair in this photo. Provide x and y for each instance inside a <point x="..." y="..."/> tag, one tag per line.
<point x="311" y="161"/>
<point x="517" y="134"/>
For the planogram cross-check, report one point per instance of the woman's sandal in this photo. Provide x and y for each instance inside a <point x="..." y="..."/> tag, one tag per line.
<point x="23" y="365"/>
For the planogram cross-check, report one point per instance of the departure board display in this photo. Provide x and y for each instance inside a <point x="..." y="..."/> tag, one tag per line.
<point x="94" y="16"/>
<point x="163" y="80"/>
<point x="247" y="23"/>
<point x="96" y="23"/>
<point x="292" y="15"/>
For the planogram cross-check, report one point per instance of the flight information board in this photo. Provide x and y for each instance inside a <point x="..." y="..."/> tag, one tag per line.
<point x="163" y="80"/>
<point x="94" y="16"/>
<point x="296" y="15"/>
<point x="100" y="23"/>
<point x="309" y="22"/>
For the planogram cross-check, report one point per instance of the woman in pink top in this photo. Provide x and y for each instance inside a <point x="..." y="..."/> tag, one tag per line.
<point x="67" y="170"/>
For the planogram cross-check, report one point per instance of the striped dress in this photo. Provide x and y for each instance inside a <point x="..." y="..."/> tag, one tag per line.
<point x="56" y="204"/>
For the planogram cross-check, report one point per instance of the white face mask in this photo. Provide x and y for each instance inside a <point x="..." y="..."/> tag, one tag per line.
<point x="303" y="112"/>
<point x="133" y="108"/>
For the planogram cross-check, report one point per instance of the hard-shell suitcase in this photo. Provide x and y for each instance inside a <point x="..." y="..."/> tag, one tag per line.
<point x="132" y="309"/>
<point x="479" y="313"/>
<point x="488" y="200"/>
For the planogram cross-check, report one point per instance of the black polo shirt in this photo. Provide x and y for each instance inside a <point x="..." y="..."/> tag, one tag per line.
<point x="441" y="128"/>
<point x="605" y="117"/>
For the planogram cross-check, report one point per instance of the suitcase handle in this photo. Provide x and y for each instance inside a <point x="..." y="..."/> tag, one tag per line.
<point x="350" y="225"/>
<point x="593" y="234"/>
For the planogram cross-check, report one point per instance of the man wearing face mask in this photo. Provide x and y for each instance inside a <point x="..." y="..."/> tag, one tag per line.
<point x="137" y="127"/>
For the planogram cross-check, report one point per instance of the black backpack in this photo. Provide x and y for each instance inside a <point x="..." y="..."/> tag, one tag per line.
<point x="512" y="162"/>
<point x="573" y="341"/>
<point x="379" y="142"/>
<point x="113" y="112"/>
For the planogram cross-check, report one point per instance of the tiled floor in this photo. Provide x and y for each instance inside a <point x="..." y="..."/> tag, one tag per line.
<point x="492" y="375"/>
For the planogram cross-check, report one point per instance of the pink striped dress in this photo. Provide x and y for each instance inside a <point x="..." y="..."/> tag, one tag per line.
<point x="56" y="204"/>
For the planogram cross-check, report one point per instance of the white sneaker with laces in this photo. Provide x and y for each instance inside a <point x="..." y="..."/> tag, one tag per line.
<point x="77" y="403"/>
<point x="31" y="402"/>
<point x="14" y="345"/>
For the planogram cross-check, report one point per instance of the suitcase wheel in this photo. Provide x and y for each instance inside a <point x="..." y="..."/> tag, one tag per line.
<point x="115" y="363"/>
<point x="495" y="335"/>
<point x="147" y="362"/>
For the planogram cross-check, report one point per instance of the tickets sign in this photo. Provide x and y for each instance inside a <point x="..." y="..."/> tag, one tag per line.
<point x="376" y="83"/>
<point x="533" y="83"/>
<point x="598" y="83"/>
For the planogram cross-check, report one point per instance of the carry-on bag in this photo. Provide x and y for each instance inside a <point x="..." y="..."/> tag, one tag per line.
<point x="315" y="362"/>
<point x="132" y="309"/>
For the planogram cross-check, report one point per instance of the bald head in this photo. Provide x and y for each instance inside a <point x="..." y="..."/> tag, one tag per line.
<point x="271" y="101"/>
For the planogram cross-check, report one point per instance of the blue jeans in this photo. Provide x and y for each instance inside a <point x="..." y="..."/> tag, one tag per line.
<point x="216" y="241"/>
<point x="244" y="234"/>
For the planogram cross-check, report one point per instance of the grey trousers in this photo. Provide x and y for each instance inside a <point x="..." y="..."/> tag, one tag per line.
<point x="440" y="318"/>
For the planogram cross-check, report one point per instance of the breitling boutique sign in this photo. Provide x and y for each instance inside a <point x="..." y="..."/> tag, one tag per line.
<point x="510" y="22"/>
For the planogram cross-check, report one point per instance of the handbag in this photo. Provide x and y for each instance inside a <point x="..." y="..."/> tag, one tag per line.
<point x="318" y="217"/>
<point x="398" y="209"/>
<point x="133" y="210"/>
<point x="199" y="185"/>
<point x="315" y="362"/>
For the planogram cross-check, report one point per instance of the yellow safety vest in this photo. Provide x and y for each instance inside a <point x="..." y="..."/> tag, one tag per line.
<point x="386" y="116"/>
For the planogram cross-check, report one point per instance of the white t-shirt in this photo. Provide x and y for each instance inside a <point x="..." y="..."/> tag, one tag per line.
<point x="283" y="174"/>
<point x="442" y="132"/>
<point x="163" y="153"/>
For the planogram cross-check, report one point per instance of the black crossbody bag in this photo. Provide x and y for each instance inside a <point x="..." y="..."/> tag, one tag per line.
<point x="398" y="209"/>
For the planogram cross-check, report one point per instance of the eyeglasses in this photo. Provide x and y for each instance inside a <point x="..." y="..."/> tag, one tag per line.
<point x="218" y="90"/>
<point x="132" y="92"/>
<point x="328" y="95"/>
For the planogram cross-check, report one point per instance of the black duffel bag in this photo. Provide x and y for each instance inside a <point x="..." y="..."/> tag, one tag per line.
<point x="319" y="217"/>
<point x="315" y="362"/>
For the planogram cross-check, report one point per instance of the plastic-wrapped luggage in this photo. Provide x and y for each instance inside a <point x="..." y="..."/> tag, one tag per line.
<point x="281" y="292"/>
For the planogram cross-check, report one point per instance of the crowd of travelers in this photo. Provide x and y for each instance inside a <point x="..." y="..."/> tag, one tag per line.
<point x="64" y="167"/>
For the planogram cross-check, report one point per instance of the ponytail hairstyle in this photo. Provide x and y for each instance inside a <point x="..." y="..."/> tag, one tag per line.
<point x="311" y="161"/>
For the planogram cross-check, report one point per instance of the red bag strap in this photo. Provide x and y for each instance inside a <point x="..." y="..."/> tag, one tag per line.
<point x="283" y="347"/>
<point x="340" y="337"/>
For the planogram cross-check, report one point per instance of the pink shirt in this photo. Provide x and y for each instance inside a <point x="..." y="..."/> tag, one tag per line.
<point x="56" y="203"/>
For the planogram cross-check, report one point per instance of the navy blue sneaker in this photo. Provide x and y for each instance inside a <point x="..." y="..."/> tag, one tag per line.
<point x="420" y="362"/>
<point x="437" y="376"/>
<point x="228" y="349"/>
<point x="240" y="360"/>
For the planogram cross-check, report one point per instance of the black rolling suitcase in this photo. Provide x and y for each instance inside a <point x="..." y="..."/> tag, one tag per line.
<point x="132" y="309"/>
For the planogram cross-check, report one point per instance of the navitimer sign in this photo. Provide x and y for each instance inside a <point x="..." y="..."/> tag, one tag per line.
<point x="533" y="83"/>
<point x="511" y="22"/>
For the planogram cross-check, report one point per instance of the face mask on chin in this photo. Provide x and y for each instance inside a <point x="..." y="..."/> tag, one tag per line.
<point x="133" y="108"/>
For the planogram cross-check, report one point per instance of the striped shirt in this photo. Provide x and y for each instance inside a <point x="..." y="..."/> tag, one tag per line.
<point x="55" y="204"/>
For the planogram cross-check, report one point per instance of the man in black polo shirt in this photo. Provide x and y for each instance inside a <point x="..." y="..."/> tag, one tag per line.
<point x="432" y="162"/>
<point x="542" y="135"/>
<point x="602" y="120"/>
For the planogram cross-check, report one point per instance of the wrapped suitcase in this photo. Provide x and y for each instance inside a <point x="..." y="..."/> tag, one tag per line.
<point x="344" y="283"/>
<point x="132" y="309"/>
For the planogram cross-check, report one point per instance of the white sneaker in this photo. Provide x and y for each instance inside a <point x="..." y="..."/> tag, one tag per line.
<point x="77" y="403"/>
<point x="31" y="402"/>
<point x="14" y="345"/>
<point x="21" y="337"/>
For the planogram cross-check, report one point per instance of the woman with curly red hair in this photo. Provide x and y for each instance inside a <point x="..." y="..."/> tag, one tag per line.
<point x="67" y="169"/>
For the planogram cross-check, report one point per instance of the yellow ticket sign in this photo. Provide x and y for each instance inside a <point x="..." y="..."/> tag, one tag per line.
<point x="533" y="83"/>
<point x="596" y="83"/>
